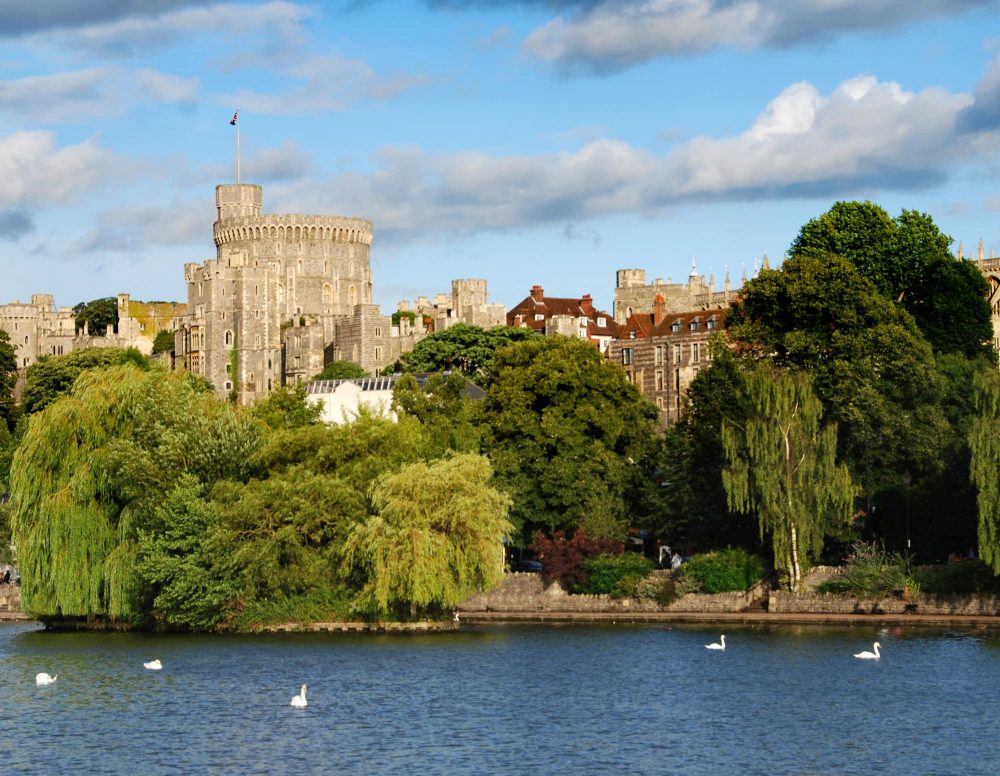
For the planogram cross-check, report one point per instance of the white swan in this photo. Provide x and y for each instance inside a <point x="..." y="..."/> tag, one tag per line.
<point x="721" y="646"/>
<point x="44" y="678"/>
<point x="299" y="701"/>
<point x="153" y="665"/>
<point x="869" y="655"/>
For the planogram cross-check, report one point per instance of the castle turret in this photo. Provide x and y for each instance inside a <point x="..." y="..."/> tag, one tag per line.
<point x="238" y="200"/>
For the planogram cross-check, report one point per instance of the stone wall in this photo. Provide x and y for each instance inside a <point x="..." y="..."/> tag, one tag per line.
<point x="10" y="601"/>
<point x="527" y="592"/>
<point x="836" y="603"/>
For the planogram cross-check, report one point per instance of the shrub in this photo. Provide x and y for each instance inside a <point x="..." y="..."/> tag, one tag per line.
<point x="968" y="576"/>
<point x="617" y="575"/>
<point x="722" y="571"/>
<point x="563" y="558"/>
<point x="871" y="571"/>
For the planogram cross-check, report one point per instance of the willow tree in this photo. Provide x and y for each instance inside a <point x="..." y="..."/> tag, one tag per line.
<point x="437" y="536"/>
<point x="984" y="442"/>
<point x="781" y="464"/>
<point x="91" y="469"/>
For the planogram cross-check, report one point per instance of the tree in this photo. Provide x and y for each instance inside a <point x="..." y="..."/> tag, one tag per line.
<point x="53" y="376"/>
<point x="782" y="465"/>
<point x="984" y="441"/>
<point x="341" y="370"/>
<point x="450" y="417"/>
<point x="873" y="371"/>
<point x="286" y="407"/>
<point x="437" y="537"/>
<point x="163" y="342"/>
<point x="464" y="348"/>
<point x="91" y="471"/>
<point x="8" y="379"/>
<point x="564" y="430"/>
<point x="98" y="314"/>
<point x="908" y="260"/>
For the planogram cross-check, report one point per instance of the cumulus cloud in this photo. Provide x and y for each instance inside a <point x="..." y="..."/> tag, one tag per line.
<point x="34" y="172"/>
<point x="163" y="87"/>
<point x="863" y="134"/>
<point x="615" y="34"/>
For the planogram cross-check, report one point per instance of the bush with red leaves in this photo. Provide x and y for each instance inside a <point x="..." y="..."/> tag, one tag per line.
<point x="563" y="558"/>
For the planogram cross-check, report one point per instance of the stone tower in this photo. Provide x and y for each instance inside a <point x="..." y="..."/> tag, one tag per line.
<point x="270" y="272"/>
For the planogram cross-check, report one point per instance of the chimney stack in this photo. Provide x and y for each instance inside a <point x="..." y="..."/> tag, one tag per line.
<point x="537" y="293"/>
<point x="659" y="309"/>
<point x="587" y="304"/>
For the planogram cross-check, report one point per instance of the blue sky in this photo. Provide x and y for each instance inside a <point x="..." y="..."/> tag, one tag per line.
<point x="537" y="141"/>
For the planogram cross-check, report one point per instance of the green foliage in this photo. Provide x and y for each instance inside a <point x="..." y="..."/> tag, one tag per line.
<point x="53" y="376"/>
<point x="163" y="342"/>
<point x="89" y="474"/>
<point x="561" y="426"/>
<point x="963" y="578"/>
<point x="782" y="466"/>
<point x="6" y="555"/>
<point x="326" y="604"/>
<point x="871" y="571"/>
<point x="341" y="370"/>
<point x="286" y="407"/>
<point x="183" y="564"/>
<point x="8" y="379"/>
<point x="450" y="418"/>
<point x="463" y="348"/>
<point x="98" y="314"/>
<point x="564" y="557"/>
<point x="437" y="537"/>
<point x="723" y="571"/>
<point x="617" y="575"/>
<point x="984" y="442"/>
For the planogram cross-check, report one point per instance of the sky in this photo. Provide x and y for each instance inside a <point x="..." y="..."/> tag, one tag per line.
<point x="545" y="142"/>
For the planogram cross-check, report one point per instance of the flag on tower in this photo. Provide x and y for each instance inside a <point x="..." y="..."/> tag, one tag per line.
<point x="236" y="119"/>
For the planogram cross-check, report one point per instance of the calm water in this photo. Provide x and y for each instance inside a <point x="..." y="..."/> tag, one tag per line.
<point x="504" y="700"/>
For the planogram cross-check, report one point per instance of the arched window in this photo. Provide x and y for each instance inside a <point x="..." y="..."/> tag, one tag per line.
<point x="352" y="296"/>
<point x="327" y="293"/>
<point x="229" y="337"/>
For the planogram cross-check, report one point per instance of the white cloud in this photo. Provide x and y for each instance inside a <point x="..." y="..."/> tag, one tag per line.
<point x="865" y="133"/>
<point x="35" y="173"/>
<point x="72" y="96"/>
<point x="614" y="34"/>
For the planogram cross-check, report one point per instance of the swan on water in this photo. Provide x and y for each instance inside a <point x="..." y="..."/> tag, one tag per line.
<point x="44" y="678"/>
<point x="153" y="665"/>
<point x="299" y="700"/>
<point x="869" y="655"/>
<point x="721" y="645"/>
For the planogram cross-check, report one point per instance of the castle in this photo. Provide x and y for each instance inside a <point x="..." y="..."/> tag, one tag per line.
<point x="288" y="293"/>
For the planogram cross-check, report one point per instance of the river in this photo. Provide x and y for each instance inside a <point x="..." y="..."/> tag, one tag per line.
<point x="512" y="699"/>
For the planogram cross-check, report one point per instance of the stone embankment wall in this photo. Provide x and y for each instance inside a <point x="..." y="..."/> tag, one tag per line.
<point x="527" y="592"/>
<point x="10" y="602"/>
<point x="833" y="603"/>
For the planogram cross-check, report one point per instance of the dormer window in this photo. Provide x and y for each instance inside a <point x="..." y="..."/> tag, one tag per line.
<point x="675" y="327"/>
<point x="602" y="322"/>
<point x="631" y="334"/>
<point x="539" y="317"/>
<point x="711" y="323"/>
<point x="693" y="326"/>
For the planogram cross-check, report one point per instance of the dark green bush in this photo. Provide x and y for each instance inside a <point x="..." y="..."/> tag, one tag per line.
<point x="722" y="571"/>
<point x="968" y="576"/>
<point x="617" y="575"/>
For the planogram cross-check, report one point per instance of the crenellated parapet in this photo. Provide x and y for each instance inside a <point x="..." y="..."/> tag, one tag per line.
<point x="310" y="228"/>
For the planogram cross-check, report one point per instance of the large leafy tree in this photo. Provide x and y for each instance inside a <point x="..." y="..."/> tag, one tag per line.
<point x="437" y="537"/>
<point x="872" y="370"/>
<point x="91" y="471"/>
<point x="450" y="417"/>
<point x="341" y="370"/>
<point x="565" y="432"/>
<point x="907" y="259"/>
<point x="98" y="314"/>
<point x="781" y="465"/>
<point x="462" y="348"/>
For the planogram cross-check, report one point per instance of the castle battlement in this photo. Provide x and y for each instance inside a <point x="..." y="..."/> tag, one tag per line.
<point x="294" y="227"/>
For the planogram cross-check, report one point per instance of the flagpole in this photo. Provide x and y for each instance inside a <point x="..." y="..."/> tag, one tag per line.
<point x="237" y="148"/>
